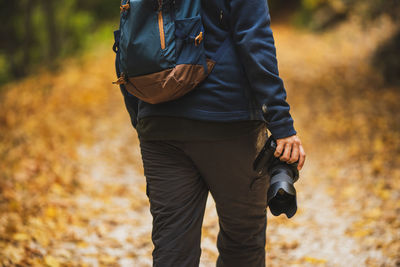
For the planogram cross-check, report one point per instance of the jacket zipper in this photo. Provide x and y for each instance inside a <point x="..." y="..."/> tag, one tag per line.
<point x="161" y="25"/>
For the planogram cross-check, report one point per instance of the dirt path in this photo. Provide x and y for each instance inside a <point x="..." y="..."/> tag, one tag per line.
<point x="119" y="225"/>
<point x="118" y="230"/>
<point x="108" y="219"/>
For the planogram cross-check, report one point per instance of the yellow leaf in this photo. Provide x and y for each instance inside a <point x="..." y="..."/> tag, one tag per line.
<point x="384" y="194"/>
<point x="15" y="254"/>
<point x="361" y="233"/>
<point x="20" y="237"/>
<point x="314" y="260"/>
<point x="82" y="244"/>
<point x="36" y="262"/>
<point x="374" y="213"/>
<point x="349" y="191"/>
<point x="106" y="259"/>
<point x="51" y="212"/>
<point x="57" y="189"/>
<point x="51" y="261"/>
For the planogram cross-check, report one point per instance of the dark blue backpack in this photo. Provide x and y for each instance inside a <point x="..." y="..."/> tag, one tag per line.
<point x="160" y="49"/>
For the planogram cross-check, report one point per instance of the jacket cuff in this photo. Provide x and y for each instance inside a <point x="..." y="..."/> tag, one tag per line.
<point x="282" y="130"/>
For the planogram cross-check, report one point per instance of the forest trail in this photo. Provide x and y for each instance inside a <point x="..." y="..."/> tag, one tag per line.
<point x="120" y="222"/>
<point x="99" y="215"/>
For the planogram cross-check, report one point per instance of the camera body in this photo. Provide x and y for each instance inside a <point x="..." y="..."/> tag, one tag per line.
<point x="281" y="196"/>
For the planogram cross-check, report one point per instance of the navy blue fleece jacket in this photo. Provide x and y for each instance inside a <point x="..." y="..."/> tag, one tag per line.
<point x="244" y="84"/>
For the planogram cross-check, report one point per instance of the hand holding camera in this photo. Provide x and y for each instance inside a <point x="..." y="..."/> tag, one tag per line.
<point x="281" y="196"/>
<point x="290" y="150"/>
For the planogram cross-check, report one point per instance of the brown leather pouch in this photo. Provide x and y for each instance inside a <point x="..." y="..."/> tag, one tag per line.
<point x="168" y="84"/>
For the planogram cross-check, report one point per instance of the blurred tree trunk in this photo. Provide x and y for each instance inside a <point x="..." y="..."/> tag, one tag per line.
<point x="283" y="10"/>
<point x="9" y="42"/>
<point x="386" y="59"/>
<point x="49" y="10"/>
<point x="28" y="33"/>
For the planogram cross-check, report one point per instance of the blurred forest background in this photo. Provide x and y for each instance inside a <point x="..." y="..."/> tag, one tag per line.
<point x="39" y="32"/>
<point x="72" y="190"/>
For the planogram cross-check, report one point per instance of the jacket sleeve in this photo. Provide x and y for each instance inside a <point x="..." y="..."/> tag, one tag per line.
<point x="254" y="42"/>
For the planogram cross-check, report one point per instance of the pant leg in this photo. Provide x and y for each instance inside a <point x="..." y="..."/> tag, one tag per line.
<point x="240" y="195"/>
<point x="178" y="196"/>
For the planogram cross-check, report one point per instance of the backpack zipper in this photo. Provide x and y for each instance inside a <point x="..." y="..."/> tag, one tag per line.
<point x="161" y="25"/>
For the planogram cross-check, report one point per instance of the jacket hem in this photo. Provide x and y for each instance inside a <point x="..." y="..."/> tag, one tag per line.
<point x="203" y="115"/>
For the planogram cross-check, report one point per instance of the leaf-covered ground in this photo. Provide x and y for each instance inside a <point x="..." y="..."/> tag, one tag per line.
<point x="72" y="190"/>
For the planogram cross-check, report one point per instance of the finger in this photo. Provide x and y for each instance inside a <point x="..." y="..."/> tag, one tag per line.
<point x="279" y="148"/>
<point x="295" y="153"/>
<point x="286" y="152"/>
<point x="302" y="158"/>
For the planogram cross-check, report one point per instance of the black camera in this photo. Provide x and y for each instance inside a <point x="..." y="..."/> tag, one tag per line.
<point x="281" y="196"/>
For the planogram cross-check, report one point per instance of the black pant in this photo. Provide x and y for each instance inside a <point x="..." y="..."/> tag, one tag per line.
<point x="179" y="176"/>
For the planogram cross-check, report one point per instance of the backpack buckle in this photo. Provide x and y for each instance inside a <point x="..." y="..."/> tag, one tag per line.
<point x="198" y="39"/>
<point x="124" y="7"/>
<point x="121" y="80"/>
